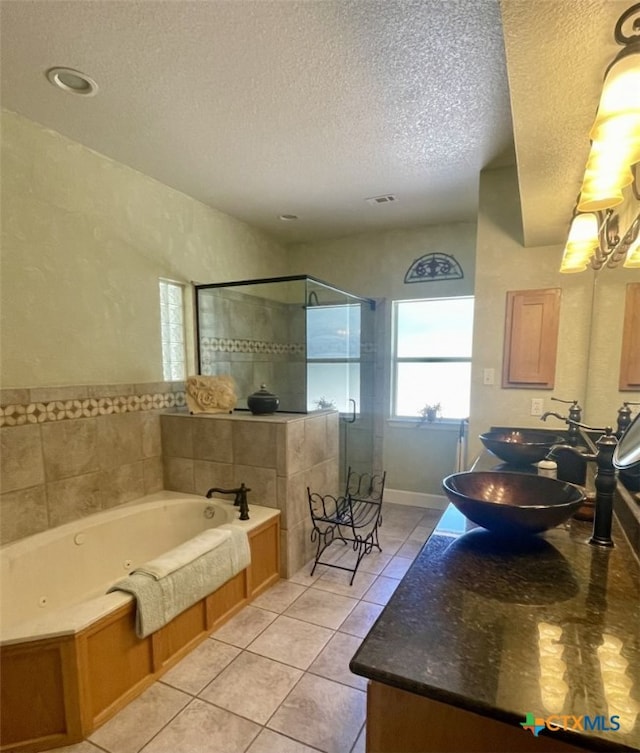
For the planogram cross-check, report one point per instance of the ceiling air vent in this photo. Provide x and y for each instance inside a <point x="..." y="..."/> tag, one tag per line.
<point x="386" y="199"/>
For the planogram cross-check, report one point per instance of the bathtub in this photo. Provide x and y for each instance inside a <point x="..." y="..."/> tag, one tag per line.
<point x="56" y="619"/>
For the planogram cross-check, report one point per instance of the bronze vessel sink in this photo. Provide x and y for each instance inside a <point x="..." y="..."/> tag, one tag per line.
<point x="512" y="503"/>
<point x="520" y="446"/>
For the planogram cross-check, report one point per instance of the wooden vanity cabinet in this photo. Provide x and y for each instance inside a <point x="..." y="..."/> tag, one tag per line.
<point x="402" y="722"/>
<point x="531" y="338"/>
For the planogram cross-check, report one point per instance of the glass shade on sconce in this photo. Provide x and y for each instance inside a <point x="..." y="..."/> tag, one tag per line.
<point x="613" y="160"/>
<point x="620" y="96"/>
<point x="607" y="172"/>
<point x="595" y="198"/>
<point x="582" y="243"/>
<point x="608" y="165"/>
<point x="615" y="134"/>
<point x="575" y="260"/>
<point x="620" y="135"/>
<point x="584" y="231"/>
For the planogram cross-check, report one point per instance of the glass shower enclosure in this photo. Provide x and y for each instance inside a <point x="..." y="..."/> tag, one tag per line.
<point x="309" y="342"/>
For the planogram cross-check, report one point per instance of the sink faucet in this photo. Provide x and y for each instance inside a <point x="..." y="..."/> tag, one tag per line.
<point x="239" y="501"/>
<point x="604" y="479"/>
<point x="624" y="418"/>
<point x="546" y="415"/>
<point x="575" y="416"/>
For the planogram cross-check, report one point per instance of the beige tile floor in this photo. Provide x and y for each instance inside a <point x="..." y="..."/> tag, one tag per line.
<point x="275" y="678"/>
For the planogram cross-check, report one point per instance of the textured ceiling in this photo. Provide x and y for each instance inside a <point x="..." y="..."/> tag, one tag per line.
<point x="308" y="107"/>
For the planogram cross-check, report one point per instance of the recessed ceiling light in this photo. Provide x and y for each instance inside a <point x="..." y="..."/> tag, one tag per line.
<point x="74" y="82"/>
<point x="288" y="217"/>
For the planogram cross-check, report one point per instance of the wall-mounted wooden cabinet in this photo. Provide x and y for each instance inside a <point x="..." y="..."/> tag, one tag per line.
<point x="531" y="338"/>
<point x="630" y="356"/>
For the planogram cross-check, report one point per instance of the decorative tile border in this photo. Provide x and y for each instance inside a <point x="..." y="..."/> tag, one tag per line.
<point x="230" y="345"/>
<point x="210" y="345"/>
<point x="60" y="410"/>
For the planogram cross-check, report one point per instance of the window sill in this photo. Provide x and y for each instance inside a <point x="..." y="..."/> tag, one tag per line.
<point x="443" y="424"/>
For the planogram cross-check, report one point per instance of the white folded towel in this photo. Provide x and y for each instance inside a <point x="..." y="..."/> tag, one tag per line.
<point x="171" y="583"/>
<point x="172" y="560"/>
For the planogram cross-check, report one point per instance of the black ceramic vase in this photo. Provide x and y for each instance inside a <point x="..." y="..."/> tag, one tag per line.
<point x="263" y="402"/>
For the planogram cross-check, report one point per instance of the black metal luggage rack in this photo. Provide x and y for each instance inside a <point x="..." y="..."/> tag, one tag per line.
<point x="353" y="518"/>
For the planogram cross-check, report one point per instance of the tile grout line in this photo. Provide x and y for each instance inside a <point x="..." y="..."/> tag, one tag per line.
<point x="308" y="670"/>
<point x="304" y="672"/>
<point x="360" y="731"/>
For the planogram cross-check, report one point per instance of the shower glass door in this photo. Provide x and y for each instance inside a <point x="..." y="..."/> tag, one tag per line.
<point x="340" y="368"/>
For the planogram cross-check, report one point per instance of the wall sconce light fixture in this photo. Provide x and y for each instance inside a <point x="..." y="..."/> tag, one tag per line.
<point x="615" y="135"/>
<point x="615" y="151"/>
<point x="594" y="241"/>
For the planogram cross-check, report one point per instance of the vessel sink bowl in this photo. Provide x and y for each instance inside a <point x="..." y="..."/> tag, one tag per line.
<point x="519" y="446"/>
<point x="512" y="503"/>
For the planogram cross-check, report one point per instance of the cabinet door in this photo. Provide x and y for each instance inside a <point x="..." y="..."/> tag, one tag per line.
<point x="531" y="338"/>
<point x="630" y="356"/>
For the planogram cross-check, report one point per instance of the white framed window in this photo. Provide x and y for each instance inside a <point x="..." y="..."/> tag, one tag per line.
<point x="173" y="330"/>
<point x="432" y="356"/>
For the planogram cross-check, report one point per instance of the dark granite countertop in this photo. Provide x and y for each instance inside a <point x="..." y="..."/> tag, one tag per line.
<point x="503" y="630"/>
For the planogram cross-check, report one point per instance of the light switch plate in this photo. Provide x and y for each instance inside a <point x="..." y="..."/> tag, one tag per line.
<point x="488" y="376"/>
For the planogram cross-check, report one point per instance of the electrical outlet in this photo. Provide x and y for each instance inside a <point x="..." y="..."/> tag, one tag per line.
<point x="488" y="376"/>
<point x="537" y="406"/>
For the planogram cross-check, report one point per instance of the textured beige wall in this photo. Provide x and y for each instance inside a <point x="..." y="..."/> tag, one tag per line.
<point x="503" y="264"/>
<point x="603" y="396"/>
<point x="84" y="241"/>
<point x="588" y="359"/>
<point x="374" y="265"/>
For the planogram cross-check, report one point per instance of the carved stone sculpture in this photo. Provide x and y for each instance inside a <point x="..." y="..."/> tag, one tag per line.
<point x="211" y="394"/>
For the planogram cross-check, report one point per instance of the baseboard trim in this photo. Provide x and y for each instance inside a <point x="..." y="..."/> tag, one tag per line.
<point x="415" y="499"/>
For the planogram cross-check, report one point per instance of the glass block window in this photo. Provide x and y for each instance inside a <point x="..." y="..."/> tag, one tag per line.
<point x="173" y="336"/>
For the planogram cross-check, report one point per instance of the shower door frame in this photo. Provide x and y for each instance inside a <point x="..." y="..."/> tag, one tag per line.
<point x="348" y="420"/>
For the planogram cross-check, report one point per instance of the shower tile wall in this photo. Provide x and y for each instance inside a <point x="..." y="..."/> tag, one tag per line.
<point x="68" y="452"/>
<point x="256" y="341"/>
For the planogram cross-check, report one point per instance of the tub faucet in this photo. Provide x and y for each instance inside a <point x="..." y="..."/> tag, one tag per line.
<point x="239" y="501"/>
<point x="604" y="479"/>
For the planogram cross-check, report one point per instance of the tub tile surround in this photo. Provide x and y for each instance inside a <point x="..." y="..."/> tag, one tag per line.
<point x="295" y="703"/>
<point x="58" y="467"/>
<point x="45" y="404"/>
<point x="276" y="456"/>
<point x="67" y="452"/>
